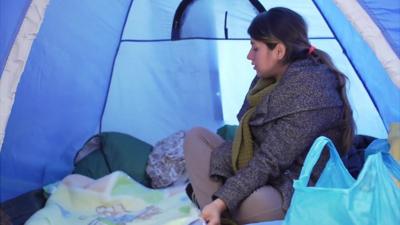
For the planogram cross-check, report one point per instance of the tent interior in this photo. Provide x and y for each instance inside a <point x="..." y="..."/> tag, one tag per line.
<point x="71" y="69"/>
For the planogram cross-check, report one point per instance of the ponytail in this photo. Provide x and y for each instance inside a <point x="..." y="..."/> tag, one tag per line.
<point x="348" y="125"/>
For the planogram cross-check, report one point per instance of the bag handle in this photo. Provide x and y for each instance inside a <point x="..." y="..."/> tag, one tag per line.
<point x="313" y="156"/>
<point x="382" y="146"/>
<point x="392" y="165"/>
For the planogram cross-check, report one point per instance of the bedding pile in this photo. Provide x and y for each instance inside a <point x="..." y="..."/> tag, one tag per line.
<point x="115" y="199"/>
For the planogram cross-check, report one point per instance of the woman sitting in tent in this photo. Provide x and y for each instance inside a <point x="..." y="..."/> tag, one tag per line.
<point x="296" y="96"/>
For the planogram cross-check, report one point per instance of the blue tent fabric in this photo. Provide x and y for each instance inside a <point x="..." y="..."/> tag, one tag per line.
<point x="11" y="15"/>
<point x="365" y="62"/>
<point x="145" y="94"/>
<point x="61" y="92"/>
<point x="146" y="66"/>
<point x="386" y="14"/>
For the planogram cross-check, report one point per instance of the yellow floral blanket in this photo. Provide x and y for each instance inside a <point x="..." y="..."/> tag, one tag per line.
<point x="115" y="199"/>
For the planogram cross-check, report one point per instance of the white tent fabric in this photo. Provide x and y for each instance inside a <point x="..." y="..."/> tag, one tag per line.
<point x="112" y="66"/>
<point x="373" y="36"/>
<point x="16" y="60"/>
<point x="364" y="59"/>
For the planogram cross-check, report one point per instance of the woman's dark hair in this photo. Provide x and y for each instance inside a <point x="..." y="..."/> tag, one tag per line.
<point x="282" y="25"/>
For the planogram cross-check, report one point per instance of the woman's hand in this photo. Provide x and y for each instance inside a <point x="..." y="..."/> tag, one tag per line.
<point x="211" y="213"/>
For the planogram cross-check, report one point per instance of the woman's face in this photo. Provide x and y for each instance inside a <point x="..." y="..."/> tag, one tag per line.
<point x="266" y="62"/>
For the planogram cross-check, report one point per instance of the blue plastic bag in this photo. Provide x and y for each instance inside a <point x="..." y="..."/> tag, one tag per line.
<point x="339" y="199"/>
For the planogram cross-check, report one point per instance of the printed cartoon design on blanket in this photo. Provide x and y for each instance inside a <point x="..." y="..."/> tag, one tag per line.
<point x="118" y="215"/>
<point x="115" y="199"/>
<point x="112" y="215"/>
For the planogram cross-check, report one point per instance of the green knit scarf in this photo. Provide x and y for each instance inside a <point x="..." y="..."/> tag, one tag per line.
<point x="242" y="148"/>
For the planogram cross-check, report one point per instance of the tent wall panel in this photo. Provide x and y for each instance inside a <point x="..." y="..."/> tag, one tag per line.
<point x="11" y="15"/>
<point x="61" y="93"/>
<point x="202" y="19"/>
<point x="369" y="68"/>
<point x="159" y="88"/>
<point x="386" y="14"/>
<point x="17" y="58"/>
<point x="317" y="28"/>
<point x="150" y="20"/>
<point x="196" y="23"/>
<point x="373" y="35"/>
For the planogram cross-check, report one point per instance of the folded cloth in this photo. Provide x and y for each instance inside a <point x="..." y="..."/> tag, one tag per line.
<point x="166" y="163"/>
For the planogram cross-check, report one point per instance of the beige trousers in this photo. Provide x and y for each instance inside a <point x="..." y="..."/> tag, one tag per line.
<point x="262" y="205"/>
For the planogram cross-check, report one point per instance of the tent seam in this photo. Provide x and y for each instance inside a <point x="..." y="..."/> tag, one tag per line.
<point x="206" y="38"/>
<point x="17" y="60"/>
<point x="14" y="35"/>
<point x="113" y="65"/>
<point x="373" y="36"/>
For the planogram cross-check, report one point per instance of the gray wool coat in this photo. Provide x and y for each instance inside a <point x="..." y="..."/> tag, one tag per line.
<point x="303" y="106"/>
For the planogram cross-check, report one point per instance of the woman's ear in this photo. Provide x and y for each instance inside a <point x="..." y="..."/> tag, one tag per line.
<point x="280" y="51"/>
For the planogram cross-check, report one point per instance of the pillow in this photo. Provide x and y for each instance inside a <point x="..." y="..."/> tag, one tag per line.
<point x="166" y="165"/>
